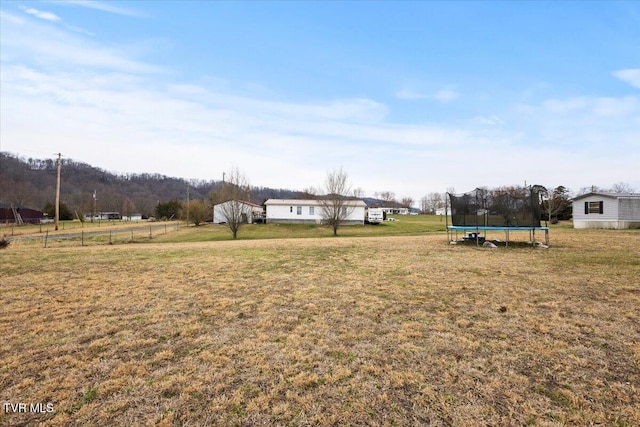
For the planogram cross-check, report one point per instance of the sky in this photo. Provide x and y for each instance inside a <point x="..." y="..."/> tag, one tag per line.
<point x="408" y="97"/>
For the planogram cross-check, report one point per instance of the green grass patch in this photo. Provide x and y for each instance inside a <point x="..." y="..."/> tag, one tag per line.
<point x="407" y="225"/>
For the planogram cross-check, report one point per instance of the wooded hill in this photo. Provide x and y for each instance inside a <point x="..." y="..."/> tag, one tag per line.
<point x="31" y="183"/>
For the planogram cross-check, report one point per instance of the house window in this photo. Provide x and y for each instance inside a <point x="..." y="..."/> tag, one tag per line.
<point x="299" y="210"/>
<point x="312" y="210"/>
<point x="593" y="207"/>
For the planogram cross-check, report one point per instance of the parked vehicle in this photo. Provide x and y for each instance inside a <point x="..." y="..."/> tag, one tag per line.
<point x="375" y="216"/>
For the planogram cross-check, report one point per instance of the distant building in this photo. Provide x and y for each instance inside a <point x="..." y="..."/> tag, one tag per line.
<point x="104" y="216"/>
<point x="15" y="214"/>
<point x="132" y="217"/>
<point x="607" y="210"/>
<point x="250" y="212"/>
<point x="309" y="211"/>
<point x="443" y="211"/>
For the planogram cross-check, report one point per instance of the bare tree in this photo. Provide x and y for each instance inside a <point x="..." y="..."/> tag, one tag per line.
<point x="335" y="207"/>
<point x="387" y="196"/>
<point x="235" y="190"/>
<point x="554" y="201"/>
<point x="128" y="208"/>
<point x="590" y="189"/>
<point x="407" y="202"/>
<point x="358" y="192"/>
<point x="424" y="204"/>
<point x="431" y="202"/>
<point x="311" y="191"/>
<point x="622" y="187"/>
<point x="198" y="211"/>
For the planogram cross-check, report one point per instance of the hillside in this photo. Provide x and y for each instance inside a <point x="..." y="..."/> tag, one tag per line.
<point x="31" y="182"/>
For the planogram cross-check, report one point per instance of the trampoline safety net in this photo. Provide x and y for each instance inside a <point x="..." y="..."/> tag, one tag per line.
<point x="508" y="207"/>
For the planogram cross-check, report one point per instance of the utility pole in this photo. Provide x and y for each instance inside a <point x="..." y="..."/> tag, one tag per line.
<point x="95" y="201"/>
<point x="187" y="203"/>
<point x="57" y="218"/>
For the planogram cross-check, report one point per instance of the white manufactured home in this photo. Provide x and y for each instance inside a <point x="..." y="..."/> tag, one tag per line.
<point x="607" y="210"/>
<point x="248" y="212"/>
<point x="293" y="211"/>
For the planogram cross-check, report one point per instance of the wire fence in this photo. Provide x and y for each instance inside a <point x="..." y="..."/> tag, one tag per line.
<point x="95" y="236"/>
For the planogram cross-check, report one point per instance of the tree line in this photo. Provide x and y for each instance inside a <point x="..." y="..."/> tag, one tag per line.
<point x="31" y="183"/>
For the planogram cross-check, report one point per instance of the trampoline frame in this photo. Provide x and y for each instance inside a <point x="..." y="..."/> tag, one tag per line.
<point x="454" y="229"/>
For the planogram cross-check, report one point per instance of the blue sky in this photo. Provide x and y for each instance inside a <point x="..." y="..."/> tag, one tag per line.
<point x="410" y="97"/>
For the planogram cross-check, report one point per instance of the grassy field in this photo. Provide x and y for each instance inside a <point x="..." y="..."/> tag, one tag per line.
<point x="383" y="330"/>
<point x="119" y="232"/>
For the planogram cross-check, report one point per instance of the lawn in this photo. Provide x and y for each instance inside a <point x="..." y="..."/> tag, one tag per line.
<point x="401" y="225"/>
<point x="383" y="330"/>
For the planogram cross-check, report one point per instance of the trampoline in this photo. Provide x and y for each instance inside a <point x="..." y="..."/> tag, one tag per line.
<point x="505" y="209"/>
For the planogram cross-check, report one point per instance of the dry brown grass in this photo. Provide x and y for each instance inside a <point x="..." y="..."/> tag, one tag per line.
<point x="347" y="331"/>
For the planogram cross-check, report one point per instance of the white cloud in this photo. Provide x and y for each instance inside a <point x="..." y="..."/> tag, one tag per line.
<point x="630" y="76"/>
<point x="47" y="16"/>
<point x="103" y="105"/>
<point x="564" y="106"/>
<point x="446" y="95"/>
<point x="492" y="120"/>
<point x="410" y="94"/>
<point x="594" y="106"/>
<point x="54" y="47"/>
<point x="442" y="95"/>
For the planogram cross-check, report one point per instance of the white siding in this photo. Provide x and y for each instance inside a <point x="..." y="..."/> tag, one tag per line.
<point x="246" y="209"/>
<point x="618" y="211"/>
<point x="289" y="213"/>
<point x="286" y="211"/>
<point x="629" y="208"/>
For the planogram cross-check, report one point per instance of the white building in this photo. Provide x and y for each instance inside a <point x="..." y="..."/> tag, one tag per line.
<point x="607" y="210"/>
<point x="132" y="217"/>
<point x="443" y="211"/>
<point x="250" y="212"/>
<point x="104" y="216"/>
<point x="292" y="211"/>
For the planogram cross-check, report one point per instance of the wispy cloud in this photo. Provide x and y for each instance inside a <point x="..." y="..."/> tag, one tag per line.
<point x="110" y="7"/>
<point x="47" y="16"/>
<point x="630" y="76"/>
<point x="101" y="103"/>
<point x="442" y="95"/>
<point x="446" y="95"/>
<point x="410" y="94"/>
<point x="51" y="17"/>
<point x="58" y="47"/>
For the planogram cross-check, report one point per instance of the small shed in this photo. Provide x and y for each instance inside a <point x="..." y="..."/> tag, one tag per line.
<point x="607" y="210"/>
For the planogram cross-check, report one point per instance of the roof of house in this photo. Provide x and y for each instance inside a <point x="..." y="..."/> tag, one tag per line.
<point x="607" y="194"/>
<point x="244" y="202"/>
<point x="11" y="205"/>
